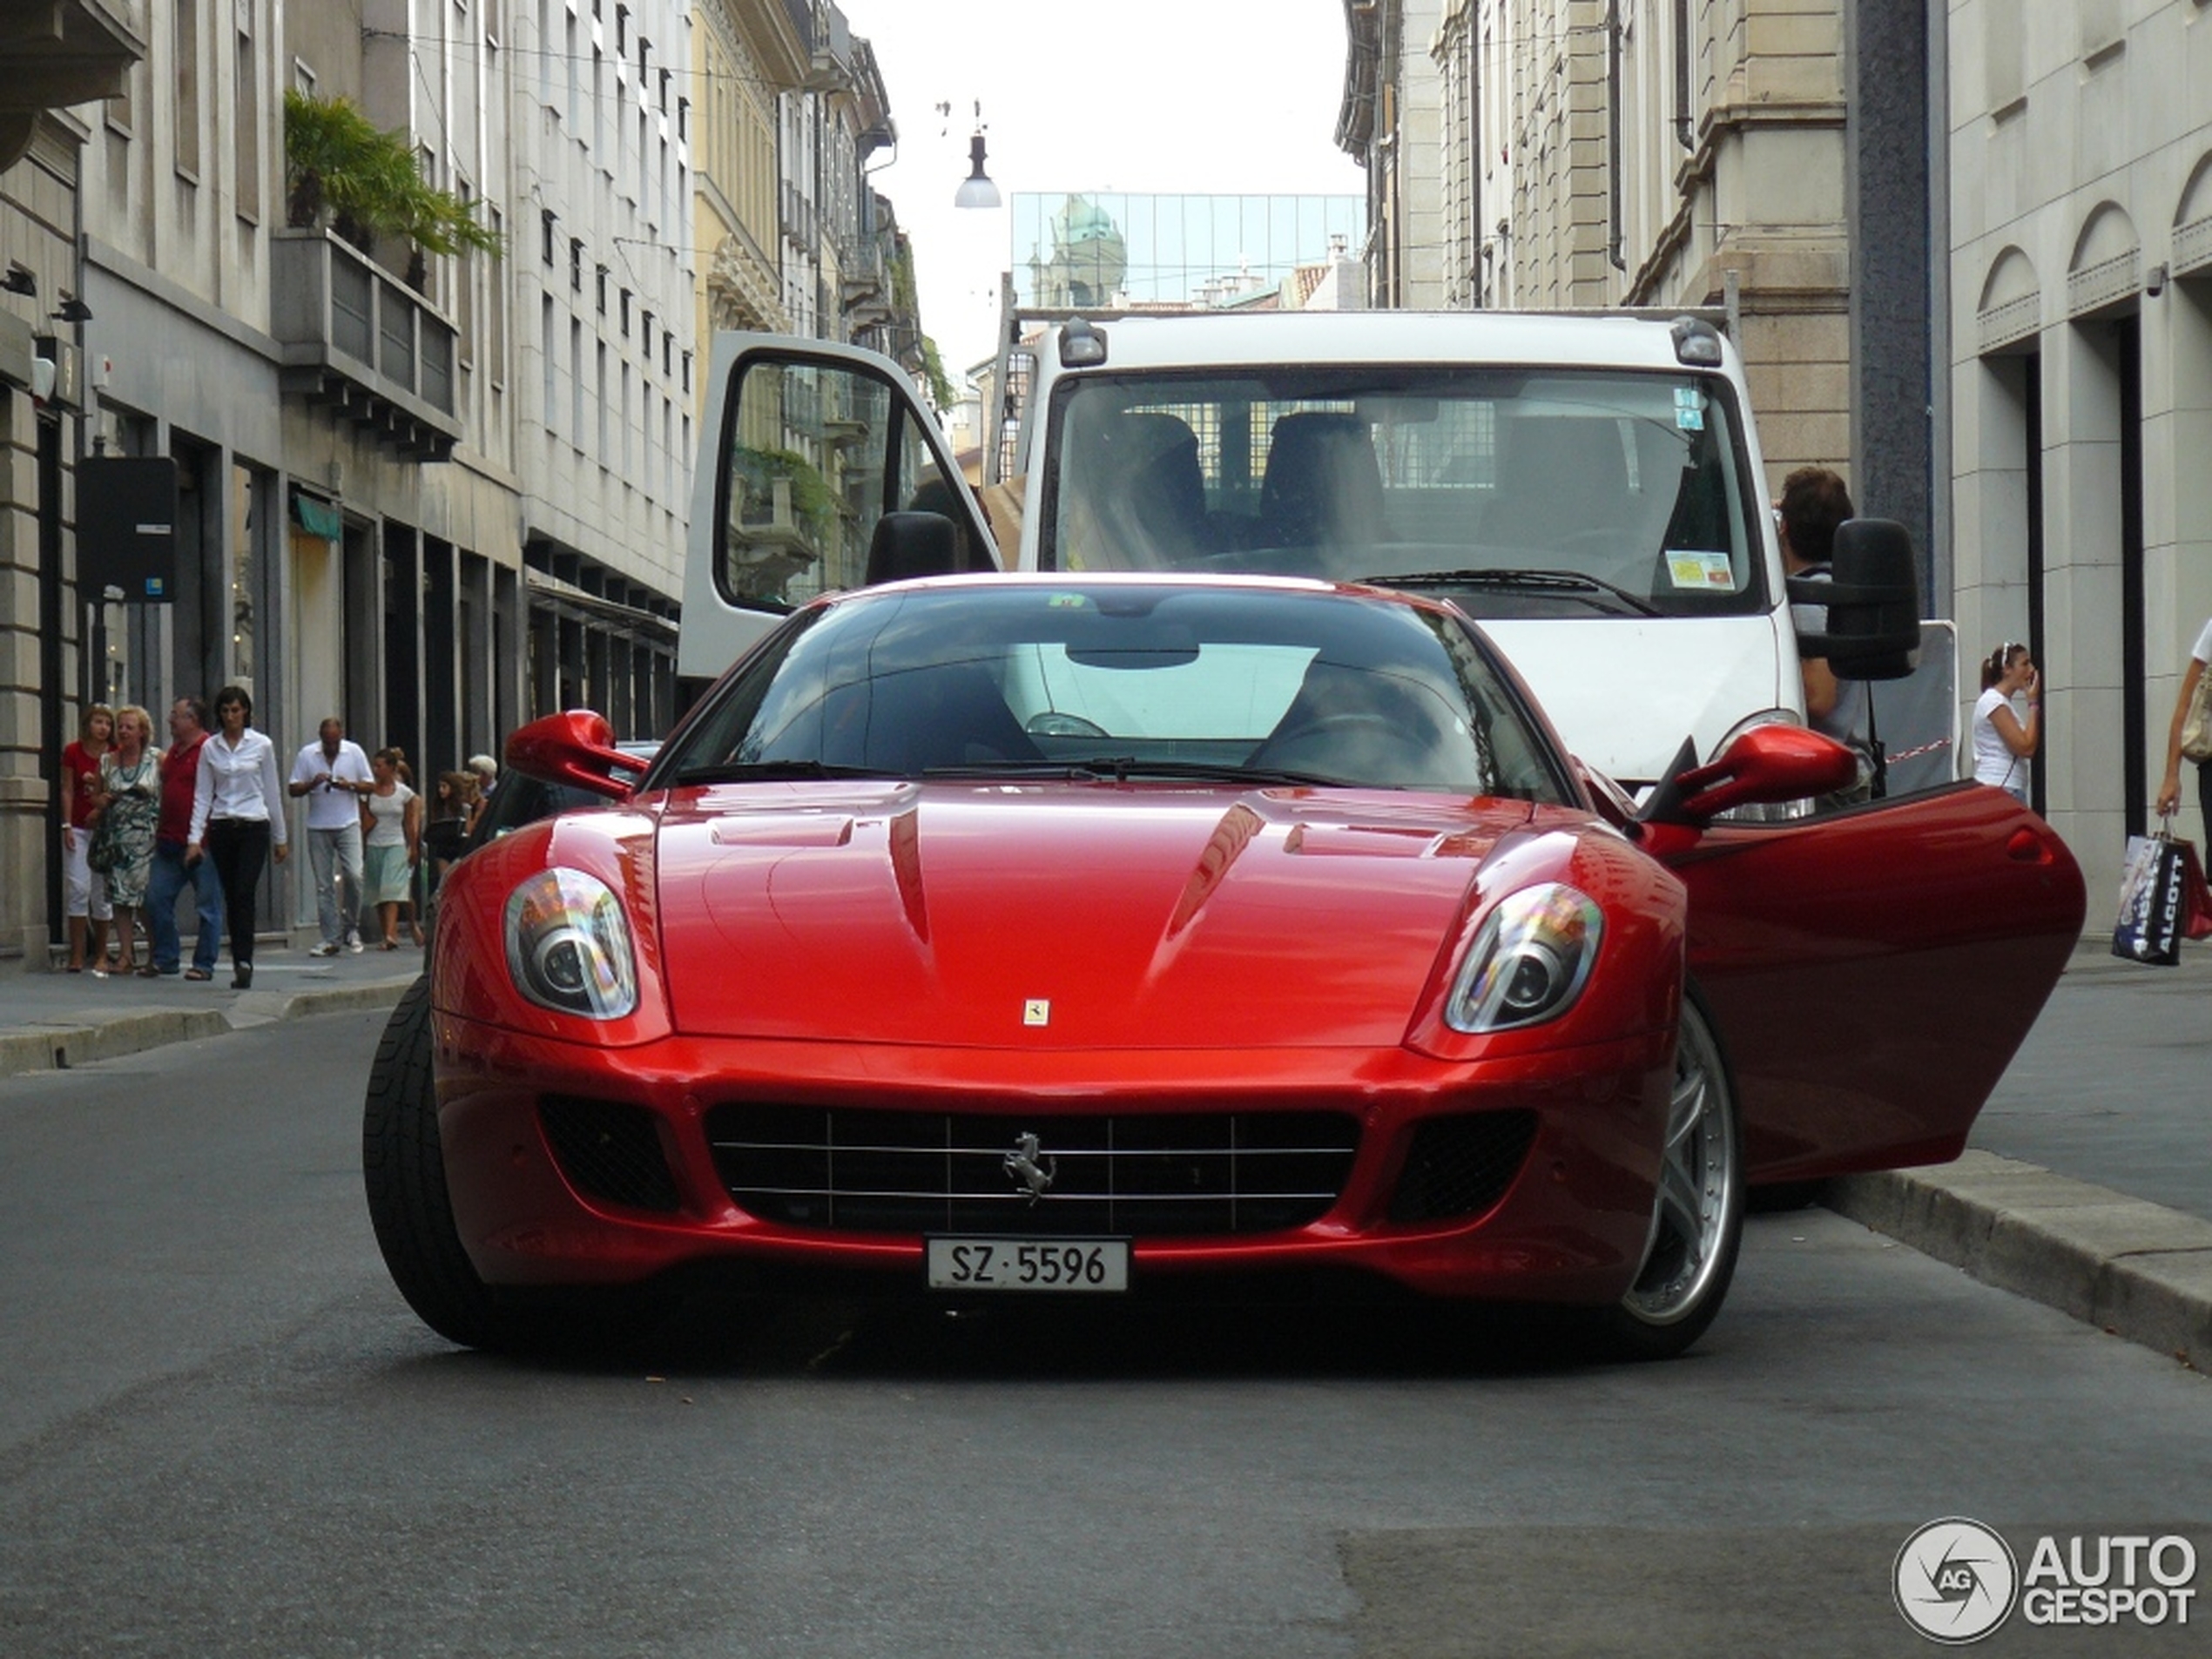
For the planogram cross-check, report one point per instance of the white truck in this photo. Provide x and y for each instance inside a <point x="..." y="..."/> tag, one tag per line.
<point x="1588" y="485"/>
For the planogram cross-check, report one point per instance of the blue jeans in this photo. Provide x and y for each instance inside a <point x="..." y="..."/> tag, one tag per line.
<point x="167" y="880"/>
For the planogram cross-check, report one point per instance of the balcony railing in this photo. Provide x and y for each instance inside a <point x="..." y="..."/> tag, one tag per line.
<point x="358" y="338"/>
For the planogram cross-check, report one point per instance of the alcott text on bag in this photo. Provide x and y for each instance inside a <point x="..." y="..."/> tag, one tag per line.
<point x="2154" y="902"/>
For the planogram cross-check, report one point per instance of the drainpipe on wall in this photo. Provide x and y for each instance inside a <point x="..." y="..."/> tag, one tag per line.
<point x="1612" y="136"/>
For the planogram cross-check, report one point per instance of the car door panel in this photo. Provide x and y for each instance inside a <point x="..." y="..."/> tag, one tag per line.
<point x="1872" y="972"/>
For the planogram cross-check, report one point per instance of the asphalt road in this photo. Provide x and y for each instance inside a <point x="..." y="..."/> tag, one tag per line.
<point x="223" y="1434"/>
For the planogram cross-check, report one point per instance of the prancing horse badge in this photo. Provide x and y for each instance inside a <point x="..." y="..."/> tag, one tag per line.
<point x="1036" y="1011"/>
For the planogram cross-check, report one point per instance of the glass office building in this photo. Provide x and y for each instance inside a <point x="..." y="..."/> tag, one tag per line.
<point x="1112" y="248"/>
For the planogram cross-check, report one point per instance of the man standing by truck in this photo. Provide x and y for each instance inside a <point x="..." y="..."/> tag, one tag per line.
<point x="1814" y="500"/>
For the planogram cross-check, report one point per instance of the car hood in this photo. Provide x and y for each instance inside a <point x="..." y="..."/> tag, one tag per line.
<point x="1073" y="916"/>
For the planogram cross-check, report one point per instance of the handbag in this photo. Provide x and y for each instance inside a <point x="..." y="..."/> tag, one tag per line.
<point x="2196" y="726"/>
<point x="2162" y="898"/>
<point x="105" y="855"/>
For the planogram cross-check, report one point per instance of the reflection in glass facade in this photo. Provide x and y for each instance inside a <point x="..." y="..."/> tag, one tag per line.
<point x="1112" y="248"/>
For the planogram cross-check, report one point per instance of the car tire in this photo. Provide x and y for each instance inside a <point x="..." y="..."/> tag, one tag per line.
<point x="403" y="1169"/>
<point x="1697" y="1209"/>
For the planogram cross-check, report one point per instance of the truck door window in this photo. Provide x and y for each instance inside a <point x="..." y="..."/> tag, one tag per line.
<point x="810" y="461"/>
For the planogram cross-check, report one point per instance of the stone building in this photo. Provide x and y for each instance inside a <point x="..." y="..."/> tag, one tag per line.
<point x="2080" y="330"/>
<point x="436" y="495"/>
<point x="58" y="57"/>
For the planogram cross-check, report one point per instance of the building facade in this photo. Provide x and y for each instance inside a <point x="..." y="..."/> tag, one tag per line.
<point x="433" y="493"/>
<point x="2080" y="250"/>
<point x="57" y="57"/>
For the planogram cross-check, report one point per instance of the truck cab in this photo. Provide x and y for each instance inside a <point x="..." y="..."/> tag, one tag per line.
<point x="1588" y="486"/>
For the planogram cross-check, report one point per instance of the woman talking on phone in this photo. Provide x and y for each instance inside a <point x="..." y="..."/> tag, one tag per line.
<point x="2003" y="743"/>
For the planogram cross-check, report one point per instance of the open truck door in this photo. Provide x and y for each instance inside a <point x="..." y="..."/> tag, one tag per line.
<point x="818" y="468"/>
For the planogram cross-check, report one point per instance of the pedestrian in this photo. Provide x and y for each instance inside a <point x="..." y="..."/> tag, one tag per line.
<point x="392" y="831"/>
<point x="172" y="830"/>
<point x="471" y="786"/>
<point x="333" y="774"/>
<point x="238" y="818"/>
<point x="130" y="810"/>
<point x="2169" y="790"/>
<point x="2003" y="744"/>
<point x="1813" y="502"/>
<point x="84" y="889"/>
<point x="447" y="824"/>
<point x="487" y="771"/>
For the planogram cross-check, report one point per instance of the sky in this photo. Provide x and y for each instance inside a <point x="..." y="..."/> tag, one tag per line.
<point x="1172" y="96"/>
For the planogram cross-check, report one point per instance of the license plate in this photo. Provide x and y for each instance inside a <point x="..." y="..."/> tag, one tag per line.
<point x="1029" y="1263"/>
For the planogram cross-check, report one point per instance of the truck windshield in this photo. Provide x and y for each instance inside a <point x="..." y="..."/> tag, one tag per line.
<point x="1633" y="480"/>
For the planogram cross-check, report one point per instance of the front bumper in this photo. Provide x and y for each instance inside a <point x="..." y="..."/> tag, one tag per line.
<point x="540" y="1197"/>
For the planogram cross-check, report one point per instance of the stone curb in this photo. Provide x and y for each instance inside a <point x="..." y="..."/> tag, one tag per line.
<point x="56" y="1045"/>
<point x="2134" y="1268"/>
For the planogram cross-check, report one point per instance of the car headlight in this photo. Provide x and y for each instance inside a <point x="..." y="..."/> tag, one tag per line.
<point x="568" y="946"/>
<point x="1530" y="960"/>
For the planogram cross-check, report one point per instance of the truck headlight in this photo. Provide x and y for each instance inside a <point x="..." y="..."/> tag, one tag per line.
<point x="568" y="946"/>
<point x="1529" y="961"/>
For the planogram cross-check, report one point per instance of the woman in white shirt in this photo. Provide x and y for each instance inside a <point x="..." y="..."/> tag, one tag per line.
<point x="2169" y="791"/>
<point x="391" y="841"/>
<point x="238" y="818"/>
<point x="2003" y="744"/>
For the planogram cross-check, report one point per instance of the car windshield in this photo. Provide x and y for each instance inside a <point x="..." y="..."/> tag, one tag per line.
<point x="1227" y="682"/>
<point x="1486" y="483"/>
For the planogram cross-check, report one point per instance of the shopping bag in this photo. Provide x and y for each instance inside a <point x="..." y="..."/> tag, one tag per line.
<point x="2151" y="902"/>
<point x="2196" y="897"/>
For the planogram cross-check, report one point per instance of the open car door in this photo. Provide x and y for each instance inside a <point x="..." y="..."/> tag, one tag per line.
<point x="807" y="449"/>
<point x="1872" y="971"/>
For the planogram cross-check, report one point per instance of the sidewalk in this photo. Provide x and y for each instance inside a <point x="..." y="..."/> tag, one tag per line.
<point x="57" y="1020"/>
<point x="2087" y="1184"/>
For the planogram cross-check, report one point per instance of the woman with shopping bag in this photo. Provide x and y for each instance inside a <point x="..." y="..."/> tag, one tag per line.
<point x="2189" y="735"/>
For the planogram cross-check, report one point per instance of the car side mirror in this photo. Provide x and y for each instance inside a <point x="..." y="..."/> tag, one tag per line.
<point x="576" y="748"/>
<point x="1764" y="767"/>
<point x="1873" y="599"/>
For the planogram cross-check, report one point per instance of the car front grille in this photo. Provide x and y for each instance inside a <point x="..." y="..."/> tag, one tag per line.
<point x="1462" y="1164"/>
<point x="1173" y="1174"/>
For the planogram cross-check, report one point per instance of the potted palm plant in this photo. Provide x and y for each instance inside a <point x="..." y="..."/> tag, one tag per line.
<point x="345" y="173"/>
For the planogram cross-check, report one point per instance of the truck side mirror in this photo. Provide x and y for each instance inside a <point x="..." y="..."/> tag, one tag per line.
<point x="1873" y="602"/>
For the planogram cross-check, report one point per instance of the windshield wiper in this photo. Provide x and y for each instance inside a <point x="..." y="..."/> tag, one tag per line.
<point x="760" y="772"/>
<point x="1122" y="768"/>
<point x="1563" y="582"/>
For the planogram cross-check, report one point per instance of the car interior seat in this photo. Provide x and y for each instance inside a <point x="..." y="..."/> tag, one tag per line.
<point x="1561" y="476"/>
<point x="1145" y="491"/>
<point x="1368" y="725"/>
<point x="1323" y="486"/>
<point x="944" y="715"/>
<point x="912" y="544"/>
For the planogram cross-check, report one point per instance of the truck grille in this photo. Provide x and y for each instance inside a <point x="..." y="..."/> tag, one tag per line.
<point x="1174" y="1174"/>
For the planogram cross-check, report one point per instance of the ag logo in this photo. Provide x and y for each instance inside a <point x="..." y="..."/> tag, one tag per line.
<point x="1955" y="1580"/>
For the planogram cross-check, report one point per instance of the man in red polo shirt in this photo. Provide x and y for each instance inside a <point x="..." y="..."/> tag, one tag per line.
<point x="179" y="773"/>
